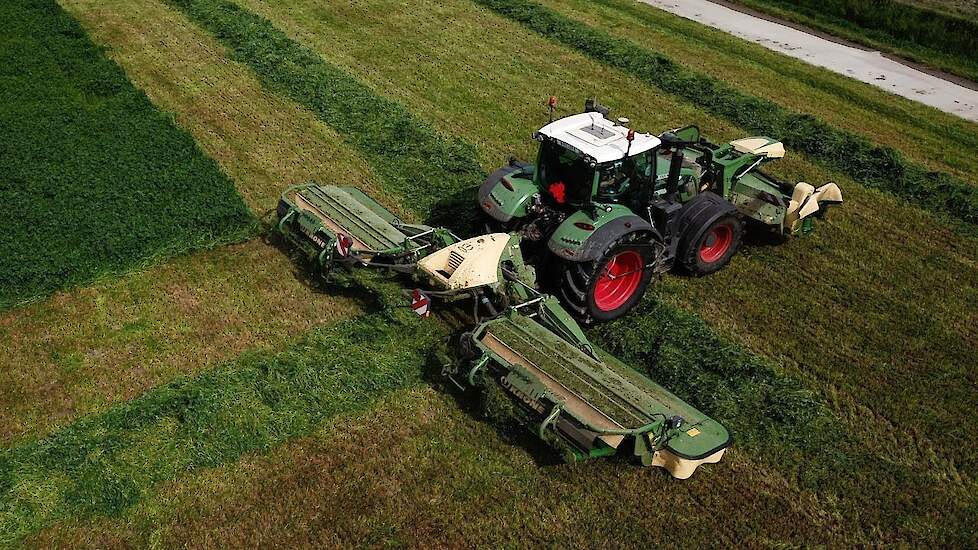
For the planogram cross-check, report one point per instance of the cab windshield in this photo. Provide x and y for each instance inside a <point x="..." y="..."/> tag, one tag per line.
<point x="565" y="174"/>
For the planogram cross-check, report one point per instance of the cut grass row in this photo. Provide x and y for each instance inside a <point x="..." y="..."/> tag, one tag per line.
<point x="84" y="350"/>
<point x="872" y="165"/>
<point x="426" y="474"/>
<point x="401" y="149"/>
<point x="933" y="37"/>
<point x="727" y="370"/>
<point x="939" y="140"/>
<point x="817" y="302"/>
<point x="103" y="464"/>
<point x="95" y="179"/>
<point x="260" y="139"/>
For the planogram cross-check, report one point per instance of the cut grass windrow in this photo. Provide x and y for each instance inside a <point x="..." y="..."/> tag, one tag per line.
<point x="94" y="179"/>
<point x="103" y="464"/>
<point x="401" y="149"/>
<point x="875" y="166"/>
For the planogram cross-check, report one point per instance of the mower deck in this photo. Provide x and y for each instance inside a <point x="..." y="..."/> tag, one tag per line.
<point x="347" y="211"/>
<point x="597" y="396"/>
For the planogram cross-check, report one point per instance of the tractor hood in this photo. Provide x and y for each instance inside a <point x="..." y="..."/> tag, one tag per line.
<point x="506" y="193"/>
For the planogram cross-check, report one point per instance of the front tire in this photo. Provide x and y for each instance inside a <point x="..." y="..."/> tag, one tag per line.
<point x="607" y="288"/>
<point x="713" y="246"/>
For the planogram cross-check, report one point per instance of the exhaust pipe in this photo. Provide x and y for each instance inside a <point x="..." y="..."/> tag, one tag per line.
<point x="672" y="181"/>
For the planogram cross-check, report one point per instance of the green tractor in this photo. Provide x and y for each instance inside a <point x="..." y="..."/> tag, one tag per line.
<point x="603" y="208"/>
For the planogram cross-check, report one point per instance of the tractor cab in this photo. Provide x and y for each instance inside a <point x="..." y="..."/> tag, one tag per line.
<point x="586" y="156"/>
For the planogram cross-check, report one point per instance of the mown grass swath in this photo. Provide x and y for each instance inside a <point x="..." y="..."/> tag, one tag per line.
<point x="874" y="166"/>
<point x="919" y="33"/>
<point x="94" y="179"/>
<point x="103" y="464"/>
<point x="403" y="151"/>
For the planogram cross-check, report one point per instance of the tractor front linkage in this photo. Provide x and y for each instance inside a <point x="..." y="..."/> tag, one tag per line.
<point x="520" y="338"/>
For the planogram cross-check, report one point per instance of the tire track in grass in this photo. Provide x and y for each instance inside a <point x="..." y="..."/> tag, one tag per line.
<point x="874" y="166"/>
<point x="789" y="409"/>
<point x="858" y="282"/>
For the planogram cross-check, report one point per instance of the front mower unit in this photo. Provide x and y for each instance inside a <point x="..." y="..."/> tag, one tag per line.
<point x="522" y="339"/>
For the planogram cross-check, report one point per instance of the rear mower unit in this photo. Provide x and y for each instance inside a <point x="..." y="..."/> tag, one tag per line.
<point x="604" y="207"/>
<point x="519" y="338"/>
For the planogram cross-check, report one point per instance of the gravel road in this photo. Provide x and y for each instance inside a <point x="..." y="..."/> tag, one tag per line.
<point x="862" y="64"/>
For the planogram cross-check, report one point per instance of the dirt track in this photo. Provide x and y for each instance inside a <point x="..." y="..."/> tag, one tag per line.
<point x="866" y="65"/>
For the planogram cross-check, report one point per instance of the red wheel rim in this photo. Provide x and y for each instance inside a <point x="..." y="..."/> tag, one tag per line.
<point x="618" y="280"/>
<point x="717" y="243"/>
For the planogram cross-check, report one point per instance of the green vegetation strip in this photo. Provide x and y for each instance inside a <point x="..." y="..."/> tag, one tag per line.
<point x="405" y="152"/>
<point x="103" y="464"/>
<point x="875" y="166"/>
<point x="918" y="32"/>
<point x="93" y="179"/>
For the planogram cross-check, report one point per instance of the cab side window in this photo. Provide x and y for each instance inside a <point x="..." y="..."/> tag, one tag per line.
<point x="627" y="174"/>
<point x="641" y="167"/>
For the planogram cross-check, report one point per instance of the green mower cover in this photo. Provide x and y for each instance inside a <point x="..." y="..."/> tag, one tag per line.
<point x="599" y="406"/>
<point x="330" y="223"/>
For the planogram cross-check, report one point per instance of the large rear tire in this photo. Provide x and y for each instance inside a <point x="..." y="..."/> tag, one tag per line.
<point x="607" y="288"/>
<point x="710" y="248"/>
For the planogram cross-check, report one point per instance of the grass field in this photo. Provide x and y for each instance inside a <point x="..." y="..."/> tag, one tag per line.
<point x="83" y="157"/>
<point x="828" y="383"/>
<point x="938" y="33"/>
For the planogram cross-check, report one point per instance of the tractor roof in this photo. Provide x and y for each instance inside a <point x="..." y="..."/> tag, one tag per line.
<point x="593" y="135"/>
